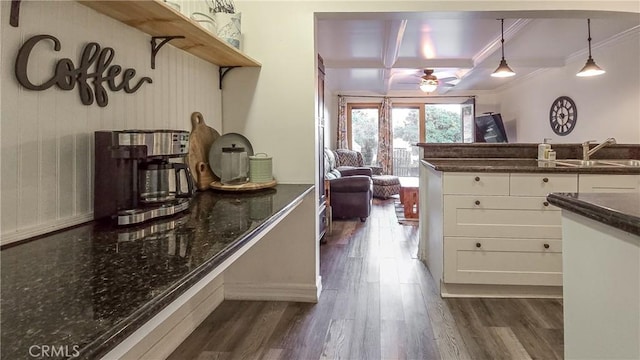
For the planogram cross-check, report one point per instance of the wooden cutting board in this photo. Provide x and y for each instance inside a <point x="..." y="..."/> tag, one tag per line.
<point x="200" y="141"/>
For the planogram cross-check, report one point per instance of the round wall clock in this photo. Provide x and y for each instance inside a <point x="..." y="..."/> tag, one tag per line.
<point x="563" y="115"/>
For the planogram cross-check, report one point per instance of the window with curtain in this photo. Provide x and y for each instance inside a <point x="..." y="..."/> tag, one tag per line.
<point x="449" y="121"/>
<point x="362" y="130"/>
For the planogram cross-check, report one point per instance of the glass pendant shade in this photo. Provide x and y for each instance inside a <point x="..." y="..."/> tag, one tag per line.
<point x="590" y="68"/>
<point x="428" y="86"/>
<point x="503" y="70"/>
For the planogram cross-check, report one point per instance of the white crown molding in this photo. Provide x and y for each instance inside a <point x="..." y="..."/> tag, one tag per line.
<point x="603" y="43"/>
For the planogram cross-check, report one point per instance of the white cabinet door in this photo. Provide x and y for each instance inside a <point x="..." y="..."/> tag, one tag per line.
<point x="501" y="216"/>
<point x="542" y="184"/>
<point x="608" y="183"/>
<point x="476" y="183"/>
<point x="503" y="261"/>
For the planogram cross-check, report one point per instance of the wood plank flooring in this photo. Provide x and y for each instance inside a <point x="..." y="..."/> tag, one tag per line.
<point x="378" y="302"/>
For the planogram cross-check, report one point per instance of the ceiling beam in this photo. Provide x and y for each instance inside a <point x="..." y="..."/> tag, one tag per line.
<point x="440" y="63"/>
<point x="402" y="63"/>
<point x="395" y="33"/>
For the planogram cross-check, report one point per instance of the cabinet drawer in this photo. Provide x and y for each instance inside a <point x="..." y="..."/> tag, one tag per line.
<point x="476" y="183"/>
<point x="609" y="183"/>
<point x="503" y="261"/>
<point x="501" y="216"/>
<point x="542" y="184"/>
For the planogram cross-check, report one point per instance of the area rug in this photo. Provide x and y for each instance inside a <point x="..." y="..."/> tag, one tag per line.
<point x="400" y="215"/>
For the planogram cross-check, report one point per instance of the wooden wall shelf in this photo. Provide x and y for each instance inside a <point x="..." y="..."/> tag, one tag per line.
<point x="158" y="19"/>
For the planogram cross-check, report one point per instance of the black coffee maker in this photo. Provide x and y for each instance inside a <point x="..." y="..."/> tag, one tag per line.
<point x="136" y="176"/>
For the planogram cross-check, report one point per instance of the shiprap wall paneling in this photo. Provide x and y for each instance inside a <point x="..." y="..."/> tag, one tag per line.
<point x="47" y="136"/>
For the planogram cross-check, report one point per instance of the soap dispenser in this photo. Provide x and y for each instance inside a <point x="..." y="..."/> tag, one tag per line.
<point x="543" y="149"/>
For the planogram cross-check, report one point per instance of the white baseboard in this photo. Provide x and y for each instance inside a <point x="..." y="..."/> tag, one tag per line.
<point x="319" y="287"/>
<point x="41" y="229"/>
<point x="271" y="292"/>
<point x="500" y="291"/>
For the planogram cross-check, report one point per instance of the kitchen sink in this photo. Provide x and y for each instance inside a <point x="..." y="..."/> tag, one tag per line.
<point x="598" y="163"/>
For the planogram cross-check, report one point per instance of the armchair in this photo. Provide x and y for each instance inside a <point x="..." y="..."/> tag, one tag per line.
<point x="350" y="188"/>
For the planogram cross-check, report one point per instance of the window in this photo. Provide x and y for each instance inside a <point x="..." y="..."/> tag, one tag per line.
<point x="411" y="123"/>
<point x="406" y="120"/>
<point x="449" y="123"/>
<point x="362" y="130"/>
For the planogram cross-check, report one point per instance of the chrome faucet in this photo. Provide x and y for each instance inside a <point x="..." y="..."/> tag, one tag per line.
<point x="586" y="153"/>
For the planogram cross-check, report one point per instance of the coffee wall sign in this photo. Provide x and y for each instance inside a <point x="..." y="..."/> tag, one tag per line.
<point x="67" y="75"/>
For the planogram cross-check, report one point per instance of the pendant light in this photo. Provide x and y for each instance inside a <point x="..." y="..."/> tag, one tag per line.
<point x="503" y="69"/>
<point x="590" y="68"/>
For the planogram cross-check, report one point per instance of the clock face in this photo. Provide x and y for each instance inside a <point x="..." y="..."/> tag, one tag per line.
<point x="563" y="115"/>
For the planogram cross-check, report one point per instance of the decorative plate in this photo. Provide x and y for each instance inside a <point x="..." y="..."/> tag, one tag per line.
<point x="226" y="140"/>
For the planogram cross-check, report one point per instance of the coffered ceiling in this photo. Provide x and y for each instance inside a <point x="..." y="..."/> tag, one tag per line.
<point x="386" y="53"/>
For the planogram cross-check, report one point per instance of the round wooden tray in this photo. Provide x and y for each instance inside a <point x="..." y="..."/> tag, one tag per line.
<point x="216" y="185"/>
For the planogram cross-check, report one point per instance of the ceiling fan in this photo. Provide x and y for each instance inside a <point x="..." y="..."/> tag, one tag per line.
<point x="429" y="82"/>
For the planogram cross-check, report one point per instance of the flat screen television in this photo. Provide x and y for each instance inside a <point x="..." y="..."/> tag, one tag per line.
<point x="490" y="129"/>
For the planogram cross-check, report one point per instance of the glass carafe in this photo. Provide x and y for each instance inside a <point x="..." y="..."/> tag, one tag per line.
<point x="234" y="165"/>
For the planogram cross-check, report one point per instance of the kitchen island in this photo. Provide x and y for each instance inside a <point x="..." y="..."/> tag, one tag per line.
<point x="486" y="227"/>
<point x="601" y="265"/>
<point x="94" y="287"/>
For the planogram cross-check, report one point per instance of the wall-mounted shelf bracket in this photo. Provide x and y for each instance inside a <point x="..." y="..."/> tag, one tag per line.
<point x="14" y="17"/>
<point x="222" y="71"/>
<point x="155" y="47"/>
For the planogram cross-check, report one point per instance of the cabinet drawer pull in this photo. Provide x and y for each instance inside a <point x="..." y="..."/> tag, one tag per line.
<point x="477" y="202"/>
<point x="545" y="180"/>
<point x="546" y="203"/>
<point x="546" y="246"/>
<point x="477" y="178"/>
<point x="478" y="245"/>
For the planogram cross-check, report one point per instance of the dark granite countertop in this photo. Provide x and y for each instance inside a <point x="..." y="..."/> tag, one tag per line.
<point x="89" y="287"/>
<point x="518" y="165"/>
<point x="621" y="210"/>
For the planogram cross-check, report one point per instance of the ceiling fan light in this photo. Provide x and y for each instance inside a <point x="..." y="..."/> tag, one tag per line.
<point x="503" y="70"/>
<point x="590" y="69"/>
<point x="428" y="86"/>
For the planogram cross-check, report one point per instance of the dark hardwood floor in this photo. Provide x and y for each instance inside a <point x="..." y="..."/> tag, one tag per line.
<point x="378" y="302"/>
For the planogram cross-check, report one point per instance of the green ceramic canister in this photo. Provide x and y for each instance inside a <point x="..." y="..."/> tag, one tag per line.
<point x="260" y="170"/>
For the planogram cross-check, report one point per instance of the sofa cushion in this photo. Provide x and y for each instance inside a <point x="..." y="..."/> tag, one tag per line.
<point x="333" y="174"/>
<point x="329" y="160"/>
<point x="348" y="157"/>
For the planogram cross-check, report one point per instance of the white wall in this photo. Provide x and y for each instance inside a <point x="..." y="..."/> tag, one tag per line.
<point x="608" y="105"/>
<point x="275" y="106"/>
<point x="47" y="136"/>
